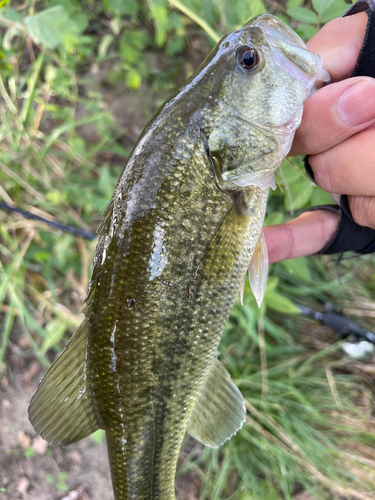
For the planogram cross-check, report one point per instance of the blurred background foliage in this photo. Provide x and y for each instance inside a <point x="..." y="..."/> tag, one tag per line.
<point x="78" y="81"/>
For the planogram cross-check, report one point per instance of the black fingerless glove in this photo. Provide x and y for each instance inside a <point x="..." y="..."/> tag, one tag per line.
<point x="349" y="235"/>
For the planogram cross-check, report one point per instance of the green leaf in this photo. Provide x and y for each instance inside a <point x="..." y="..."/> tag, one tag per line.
<point x="254" y="8"/>
<point x="336" y="10"/>
<point x="303" y="15"/>
<point x="176" y="45"/>
<point x="320" y="197"/>
<point x="11" y="14"/>
<point x="306" y="31"/>
<point x="70" y="6"/>
<point x="133" y="79"/>
<point x="298" y="194"/>
<point x="289" y="173"/>
<point x="321" y="6"/>
<point x="53" y="27"/>
<point x="272" y="283"/>
<point x="161" y="24"/>
<point x="298" y="268"/>
<point x="279" y="303"/>
<point x="121" y="7"/>
<point x="131" y="45"/>
<point x="274" y="218"/>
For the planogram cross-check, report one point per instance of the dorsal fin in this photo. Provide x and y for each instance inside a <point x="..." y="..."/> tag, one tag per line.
<point x="62" y="409"/>
<point x="102" y="231"/>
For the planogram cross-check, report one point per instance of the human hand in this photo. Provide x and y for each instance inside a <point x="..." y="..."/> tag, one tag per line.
<point x="338" y="132"/>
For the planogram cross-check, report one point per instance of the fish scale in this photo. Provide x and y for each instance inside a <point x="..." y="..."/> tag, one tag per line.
<point x="176" y="340"/>
<point x="174" y="246"/>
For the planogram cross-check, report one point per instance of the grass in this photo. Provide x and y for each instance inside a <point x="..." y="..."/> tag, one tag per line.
<point x="310" y="424"/>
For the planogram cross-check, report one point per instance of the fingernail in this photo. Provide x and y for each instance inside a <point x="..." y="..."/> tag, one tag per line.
<point x="357" y="103"/>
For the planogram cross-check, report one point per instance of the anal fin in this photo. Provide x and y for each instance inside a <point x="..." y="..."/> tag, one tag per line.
<point x="219" y="411"/>
<point x="62" y="409"/>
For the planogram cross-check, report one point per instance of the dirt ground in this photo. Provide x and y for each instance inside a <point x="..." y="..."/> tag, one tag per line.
<point x="31" y="469"/>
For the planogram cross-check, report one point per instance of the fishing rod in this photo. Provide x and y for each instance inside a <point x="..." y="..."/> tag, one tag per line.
<point x="57" y="225"/>
<point x="340" y="324"/>
<point x="362" y="342"/>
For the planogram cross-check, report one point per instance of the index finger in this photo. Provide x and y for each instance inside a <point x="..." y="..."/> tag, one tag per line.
<point x="339" y="43"/>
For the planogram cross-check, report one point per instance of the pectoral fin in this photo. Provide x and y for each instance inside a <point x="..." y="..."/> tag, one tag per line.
<point x="62" y="410"/>
<point x="258" y="270"/>
<point x="219" y="411"/>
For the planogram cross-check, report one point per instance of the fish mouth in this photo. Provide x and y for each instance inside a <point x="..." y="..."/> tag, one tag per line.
<point x="289" y="52"/>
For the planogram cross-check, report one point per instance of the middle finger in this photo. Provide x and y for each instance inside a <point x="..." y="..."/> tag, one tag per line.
<point x="348" y="167"/>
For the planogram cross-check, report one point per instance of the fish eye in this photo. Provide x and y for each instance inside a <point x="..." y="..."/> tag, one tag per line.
<point x="247" y="57"/>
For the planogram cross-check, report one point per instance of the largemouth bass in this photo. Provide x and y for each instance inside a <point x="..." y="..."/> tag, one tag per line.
<point x="175" y="243"/>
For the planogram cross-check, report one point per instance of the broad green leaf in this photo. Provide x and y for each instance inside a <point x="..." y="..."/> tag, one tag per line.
<point x="274" y="218"/>
<point x="121" y="7"/>
<point x="256" y="8"/>
<point x="320" y="197"/>
<point x="160" y="15"/>
<point x="136" y="39"/>
<point x="52" y="27"/>
<point x="298" y="194"/>
<point x="284" y="18"/>
<point x="321" y="6"/>
<point x="70" y="6"/>
<point x="288" y="173"/>
<point x="11" y="14"/>
<point x="131" y="45"/>
<point x="194" y="17"/>
<point x="128" y="53"/>
<point x="298" y="268"/>
<point x="280" y="303"/>
<point x="176" y="45"/>
<point x="306" y="31"/>
<point x="336" y="10"/>
<point x="303" y="15"/>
